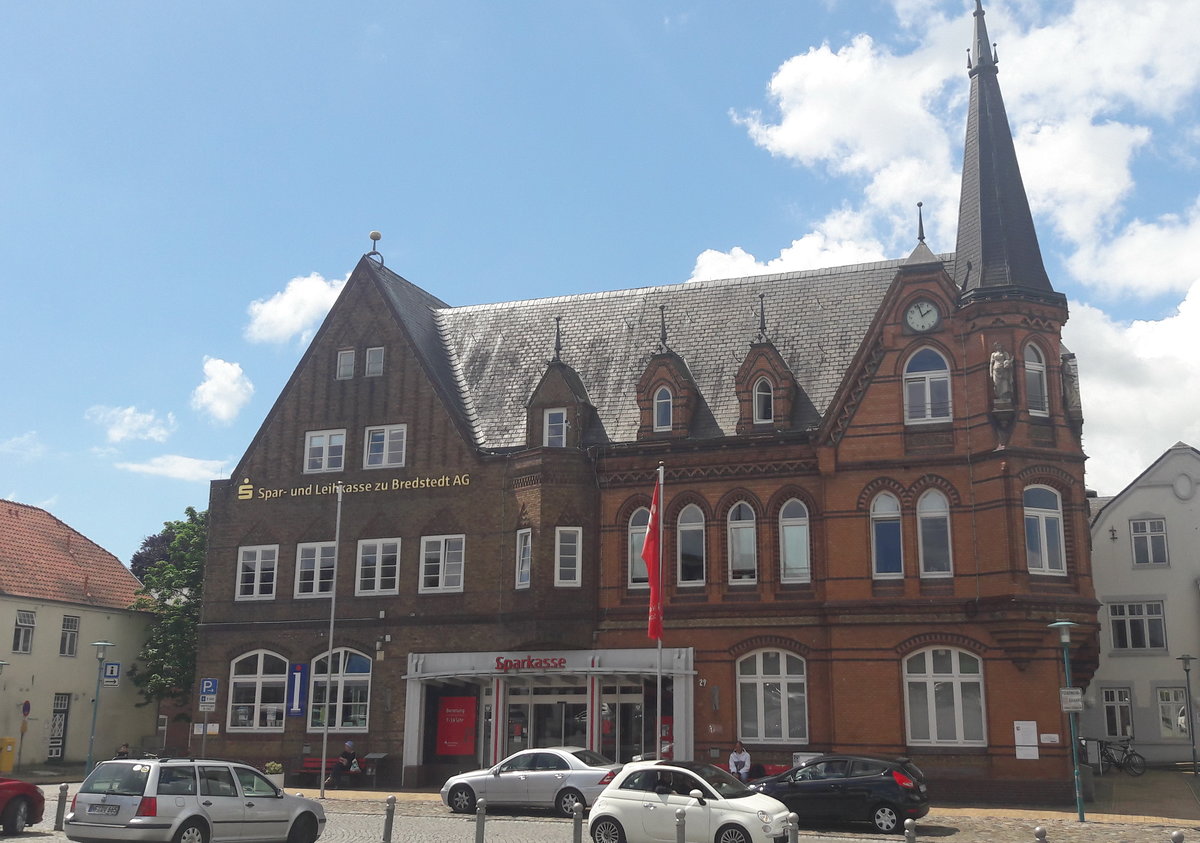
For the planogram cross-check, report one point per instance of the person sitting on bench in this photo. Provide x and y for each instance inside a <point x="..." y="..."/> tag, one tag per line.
<point x="347" y="763"/>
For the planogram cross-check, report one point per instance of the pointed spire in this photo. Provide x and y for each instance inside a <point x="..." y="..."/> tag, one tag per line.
<point x="557" y="338"/>
<point x="662" y="328"/>
<point x="997" y="247"/>
<point x="920" y="224"/>
<point x="762" y="318"/>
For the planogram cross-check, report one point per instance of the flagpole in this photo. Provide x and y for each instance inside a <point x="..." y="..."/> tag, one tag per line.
<point x="659" y="692"/>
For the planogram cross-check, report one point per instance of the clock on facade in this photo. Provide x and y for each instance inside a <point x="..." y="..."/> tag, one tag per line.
<point x="922" y="315"/>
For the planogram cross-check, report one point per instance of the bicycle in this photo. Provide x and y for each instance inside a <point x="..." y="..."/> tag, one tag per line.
<point x="1121" y="755"/>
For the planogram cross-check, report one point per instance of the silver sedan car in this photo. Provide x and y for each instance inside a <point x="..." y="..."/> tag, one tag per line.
<point x="557" y="777"/>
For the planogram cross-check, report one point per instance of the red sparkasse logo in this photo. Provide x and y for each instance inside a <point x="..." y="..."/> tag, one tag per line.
<point x="529" y="663"/>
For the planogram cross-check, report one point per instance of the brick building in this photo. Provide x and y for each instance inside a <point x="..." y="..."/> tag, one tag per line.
<point x="874" y="505"/>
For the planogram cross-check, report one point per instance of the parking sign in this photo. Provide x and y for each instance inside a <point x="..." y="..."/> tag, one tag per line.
<point x="208" y="686"/>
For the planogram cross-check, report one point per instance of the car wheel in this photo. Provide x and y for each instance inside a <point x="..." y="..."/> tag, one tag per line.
<point x="461" y="799"/>
<point x="732" y="834"/>
<point x="607" y="830"/>
<point x="192" y="831"/>
<point x="303" y="830"/>
<point x="16" y="816"/>
<point x="567" y="800"/>
<point x="885" y="819"/>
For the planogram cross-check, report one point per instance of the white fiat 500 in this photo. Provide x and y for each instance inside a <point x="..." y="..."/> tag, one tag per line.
<point x="639" y="807"/>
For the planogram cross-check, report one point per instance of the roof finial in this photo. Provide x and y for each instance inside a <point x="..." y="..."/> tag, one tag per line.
<point x="662" y="327"/>
<point x="762" y="317"/>
<point x="557" y="338"/>
<point x="920" y="224"/>
<point x="375" y="238"/>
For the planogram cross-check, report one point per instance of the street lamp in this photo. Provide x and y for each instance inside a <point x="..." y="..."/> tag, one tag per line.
<point x="1187" y="684"/>
<point x="101" y="650"/>
<point x="1064" y="631"/>
<point x="3" y="664"/>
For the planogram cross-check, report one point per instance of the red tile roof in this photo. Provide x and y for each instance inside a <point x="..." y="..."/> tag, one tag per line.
<point x="42" y="558"/>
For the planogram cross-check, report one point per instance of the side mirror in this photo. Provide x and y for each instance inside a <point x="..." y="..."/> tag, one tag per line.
<point x="697" y="795"/>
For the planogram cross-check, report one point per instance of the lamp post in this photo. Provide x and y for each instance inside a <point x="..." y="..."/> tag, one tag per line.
<point x="101" y="651"/>
<point x="1187" y="684"/>
<point x="1064" y="631"/>
<point x="329" y="709"/>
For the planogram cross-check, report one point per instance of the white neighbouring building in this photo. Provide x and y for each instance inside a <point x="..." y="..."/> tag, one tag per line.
<point x="1146" y="568"/>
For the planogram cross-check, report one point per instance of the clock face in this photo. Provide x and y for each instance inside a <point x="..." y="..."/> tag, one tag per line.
<point x="922" y="315"/>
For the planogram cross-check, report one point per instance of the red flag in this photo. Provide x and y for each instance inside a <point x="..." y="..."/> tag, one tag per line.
<point x="652" y="556"/>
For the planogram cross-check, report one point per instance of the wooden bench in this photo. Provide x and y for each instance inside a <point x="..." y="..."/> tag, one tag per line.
<point x="310" y="765"/>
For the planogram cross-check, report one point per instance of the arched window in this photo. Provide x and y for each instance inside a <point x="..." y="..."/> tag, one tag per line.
<point x="1036" y="396"/>
<point x="349" y="702"/>
<point x="886" y="550"/>
<point x="663" y="402"/>
<point x="772" y="698"/>
<point x="1044" y="549"/>
<point x="638" y="523"/>
<point x="926" y="388"/>
<point x="794" y="559"/>
<point x="257" y="692"/>
<point x="743" y="556"/>
<point x="691" y="545"/>
<point x="933" y="534"/>
<point x="764" y="402"/>
<point x="943" y="697"/>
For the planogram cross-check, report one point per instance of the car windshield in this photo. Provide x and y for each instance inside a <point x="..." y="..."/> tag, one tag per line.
<point x="726" y="785"/>
<point x="123" y="779"/>
<point x="592" y="759"/>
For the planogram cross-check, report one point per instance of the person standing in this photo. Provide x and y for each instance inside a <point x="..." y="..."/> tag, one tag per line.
<point x="739" y="762"/>
<point x="347" y="763"/>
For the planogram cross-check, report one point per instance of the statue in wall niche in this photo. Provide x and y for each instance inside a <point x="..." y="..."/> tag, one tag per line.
<point x="1002" y="374"/>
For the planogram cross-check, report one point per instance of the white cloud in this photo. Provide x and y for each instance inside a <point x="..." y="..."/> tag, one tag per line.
<point x="294" y="312"/>
<point x="1139" y="382"/>
<point x="123" y="423"/>
<point x="27" y="446"/>
<point x="224" y="391"/>
<point x="179" y="468"/>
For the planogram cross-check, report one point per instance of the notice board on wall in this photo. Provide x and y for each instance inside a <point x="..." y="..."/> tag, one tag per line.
<point x="456" y="726"/>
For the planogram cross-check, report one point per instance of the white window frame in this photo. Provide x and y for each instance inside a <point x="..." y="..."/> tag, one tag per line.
<point x="353" y="715"/>
<point x="568" y="557"/>
<point x="764" y="678"/>
<point x="443" y="561"/>
<point x="1037" y="396"/>
<point x="881" y="519"/>
<point x="524" y="560"/>
<point x="686" y="530"/>
<point x="794" y="570"/>
<point x="1148" y="542"/>
<point x="382" y="576"/>
<point x="764" y="401"/>
<point x="316" y="567"/>
<point x="1041" y="524"/>
<point x="741" y="530"/>
<point x="664" y="409"/>
<point x="23" y="631"/>
<point x="554" y="427"/>
<point x="1138" y="626"/>
<point x="324" y="451"/>
<point x="933" y="518"/>
<point x="1172" y="712"/>
<point x="265" y="715"/>
<point x="373" y="366"/>
<point x="638" y="575"/>
<point x="952" y="679"/>
<point x="921" y="386"/>
<point x="1118" y="712"/>
<point x="68" y="642"/>
<point x="261" y="563"/>
<point x="345" y="364"/>
<point x="385" y="446"/>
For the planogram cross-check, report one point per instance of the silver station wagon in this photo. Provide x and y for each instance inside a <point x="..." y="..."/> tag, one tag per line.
<point x="178" y="800"/>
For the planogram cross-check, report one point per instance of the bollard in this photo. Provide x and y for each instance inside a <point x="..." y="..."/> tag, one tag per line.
<point x="62" y="807"/>
<point x="1176" y="837"/>
<point x="793" y="827"/>
<point x="910" y="831"/>
<point x="480" y="818"/>
<point x="679" y="826"/>
<point x="388" y="816"/>
<point x="1040" y="834"/>
<point x="577" y="822"/>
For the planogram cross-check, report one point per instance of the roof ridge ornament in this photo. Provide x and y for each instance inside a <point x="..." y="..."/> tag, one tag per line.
<point x="920" y="224"/>
<point x="374" y="254"/>
<point x="662" y="329"/>
<point x="762" y="318"/>
<point x="557" y="339"/>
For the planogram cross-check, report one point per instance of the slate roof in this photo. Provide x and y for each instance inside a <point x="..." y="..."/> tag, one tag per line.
<point x="485" y="360"/>
<point x="43" y="559"/>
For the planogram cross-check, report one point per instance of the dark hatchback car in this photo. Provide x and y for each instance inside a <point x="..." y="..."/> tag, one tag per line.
<point x="852" y="788"/>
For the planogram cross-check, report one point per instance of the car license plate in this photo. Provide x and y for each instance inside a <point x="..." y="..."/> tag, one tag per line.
<point x="103" y="809"/>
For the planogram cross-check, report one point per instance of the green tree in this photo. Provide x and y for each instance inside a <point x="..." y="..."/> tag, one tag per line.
<point x="171" y="591"/>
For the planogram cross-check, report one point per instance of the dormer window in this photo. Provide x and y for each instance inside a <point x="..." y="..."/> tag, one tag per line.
<point x="1035" y="381"/>
<point x="926" y="388"/>
<point x="554" y="428"/>
<point x="345" y="364"/>
<point x="374" y="362"/>
<point x="663" y="407"/>
<point x="764" y="402"/>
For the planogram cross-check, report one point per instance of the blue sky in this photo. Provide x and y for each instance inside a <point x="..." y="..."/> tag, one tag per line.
<point x="184" y="187"/>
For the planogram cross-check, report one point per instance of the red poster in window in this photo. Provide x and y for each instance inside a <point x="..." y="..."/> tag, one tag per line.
<point x="456" y="726"/>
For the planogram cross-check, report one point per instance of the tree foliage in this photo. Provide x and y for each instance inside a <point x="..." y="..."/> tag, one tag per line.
<point x="154" y="549"/>
<point x="171" y="590"/>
